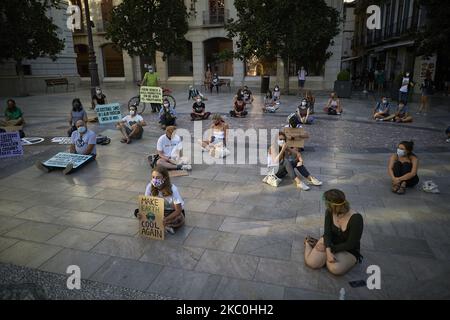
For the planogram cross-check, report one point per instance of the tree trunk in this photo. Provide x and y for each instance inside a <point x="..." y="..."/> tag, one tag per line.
<point x="21" y="85"/>
<point x="286" y="76"/>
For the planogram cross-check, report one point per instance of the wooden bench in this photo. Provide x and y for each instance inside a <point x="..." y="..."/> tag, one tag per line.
<point x="58" y="82"/>
<point x="225" y="82"/>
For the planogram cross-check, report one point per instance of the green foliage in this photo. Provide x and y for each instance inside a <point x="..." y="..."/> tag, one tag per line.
<point x="435" y="35"/>
<point x="343" y="75"/>
<point x="296" y="30"/>
<point x="26" y="32"/>
<point x="142" y="27"/>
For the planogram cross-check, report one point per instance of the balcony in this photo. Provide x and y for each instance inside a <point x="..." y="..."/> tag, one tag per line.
<point x="217" y="18"/>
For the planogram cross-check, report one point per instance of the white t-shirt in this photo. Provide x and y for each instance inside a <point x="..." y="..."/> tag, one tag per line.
<point x="405" y="84"/>
<point x="302" y="74"/>
<point x="169" y="201"/>
<point x="129" y="120"/>
<point x="166" y="145"/>
<point x="81" y="143"/>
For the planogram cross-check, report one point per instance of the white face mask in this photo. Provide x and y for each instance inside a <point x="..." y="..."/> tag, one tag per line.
<point x="98" y="92"/>
<point x="384" y="101"/>
<point x="303" y="103"/>
<point x="401" y="153"/>
<point x="280" y="143"/>
<point x="132" y="112"/>
<point x="166" y="105"/>
<point x="199" y="101"/>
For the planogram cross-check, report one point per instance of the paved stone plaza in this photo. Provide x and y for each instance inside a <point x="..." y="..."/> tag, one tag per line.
<point x="243" y="239"/>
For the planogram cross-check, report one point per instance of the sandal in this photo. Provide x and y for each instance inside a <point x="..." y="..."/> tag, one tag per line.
<point x="123" y="140"/>
<point x="128" y="141"/>
<point x="395" y="188"/>
<point x="311" y="241"/>
<point x="402" y="189"/>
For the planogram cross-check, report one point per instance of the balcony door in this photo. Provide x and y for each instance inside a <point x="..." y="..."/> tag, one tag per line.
<point x="216" y="11"/>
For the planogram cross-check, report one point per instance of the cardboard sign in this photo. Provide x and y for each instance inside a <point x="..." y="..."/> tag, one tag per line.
<point x="151" y="94"/>
<point x="12" y="128"/>
<point x="10" y="145"/>
<point x="61" y="160"/>
<point x="151" y="226"/>
<point x="62" y="140"/>
<point x="108" y="113"/>
<point x="295" y="137"/>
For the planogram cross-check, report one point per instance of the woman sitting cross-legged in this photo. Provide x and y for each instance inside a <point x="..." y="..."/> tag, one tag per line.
<point x="285" y="160"/>
<point x="160" y="186"/>
<point x="403" y="167"/>
<point x="339" y="248"/>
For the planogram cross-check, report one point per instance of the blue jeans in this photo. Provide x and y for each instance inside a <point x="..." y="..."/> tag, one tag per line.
<point x="403" y="96"/>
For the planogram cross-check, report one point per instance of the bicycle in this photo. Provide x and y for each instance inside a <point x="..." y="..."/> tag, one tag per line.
<point x="136" y="101"/>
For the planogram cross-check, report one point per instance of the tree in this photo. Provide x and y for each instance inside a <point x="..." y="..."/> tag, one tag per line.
<point x="295" y="30"/>
<point x="434" y="36"/>
<point x="27" y="33"/>
<point x="142" y="27"/>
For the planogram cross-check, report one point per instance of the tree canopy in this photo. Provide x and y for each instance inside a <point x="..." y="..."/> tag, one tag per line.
<point x="142" y="27"/>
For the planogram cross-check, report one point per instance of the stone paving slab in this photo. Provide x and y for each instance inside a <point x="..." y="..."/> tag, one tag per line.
<point x="77" y="239"/>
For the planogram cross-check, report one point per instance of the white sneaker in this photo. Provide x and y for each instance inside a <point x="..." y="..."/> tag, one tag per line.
<point x="303" y="186"/>
<point x="170" y="230"/>
<point x="186" y="167"/>
<point x="315" y="182"/>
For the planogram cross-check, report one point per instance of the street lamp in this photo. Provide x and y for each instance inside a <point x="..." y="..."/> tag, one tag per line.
<point x="93" y="69"/>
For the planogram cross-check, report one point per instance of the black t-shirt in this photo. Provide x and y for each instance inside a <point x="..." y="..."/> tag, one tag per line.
<point x="99" y="100"/>
<point x="198" y="108"/>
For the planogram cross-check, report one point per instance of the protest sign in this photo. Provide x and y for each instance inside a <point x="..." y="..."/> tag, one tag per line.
<point x="151" y="94"/>
<point x="61" y="160"/>
<point x="62" y="140"/>
<point x="108" y="113"/>
<point x="151" y="226"/>
<point x="12" y="128"/>
<point x="295" y="137"/>
<point x="10" y="145"/>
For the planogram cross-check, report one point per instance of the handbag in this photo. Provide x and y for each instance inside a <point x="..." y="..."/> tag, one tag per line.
<point x="272" y="180"/>
<point x="219" y="151"/>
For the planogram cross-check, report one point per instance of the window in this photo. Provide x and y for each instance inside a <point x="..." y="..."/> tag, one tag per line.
<point x="112" y="61"/>
<point x="181" y="65"/>
<point x="216" y="11"/>
<point x="217" y="54"/>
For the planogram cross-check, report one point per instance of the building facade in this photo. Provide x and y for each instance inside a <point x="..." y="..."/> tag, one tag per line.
<point x="206" y="38"/>
<point x="36" y="71"/>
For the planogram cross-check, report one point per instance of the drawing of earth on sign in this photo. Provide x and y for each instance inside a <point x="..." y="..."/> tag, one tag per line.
<point x="150" y="216"/>
<point x="31" y="140"/>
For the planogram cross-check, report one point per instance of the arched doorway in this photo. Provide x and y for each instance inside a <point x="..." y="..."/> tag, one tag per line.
<point x="218" y="53"/>
<point x="82" y="59"/>
<point x="181" y="65"/>
<point x="112" y="61"/>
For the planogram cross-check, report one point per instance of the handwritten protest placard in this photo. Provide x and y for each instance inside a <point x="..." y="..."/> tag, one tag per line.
<point x="108" y="113"/>
<point x="295" y="137"/>
<point x="10" y="145"/>
<point x="61" y="160"/>
<point x="151" y="226"/>
<point x="151" y="94"/>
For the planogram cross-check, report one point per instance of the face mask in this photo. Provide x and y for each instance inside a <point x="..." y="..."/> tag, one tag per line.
<point x="303" y="103"/>
<point x="98" y="92"/>
<point x="150" y="70"/>
<point x="77" y="106"/>
<point x="199" y="101"/>
<point x="280" y="143"/>
<point x="166" y="105"/>
<point x="132" y="112"/>
<point x="401" y="153"/>
<point x="157" y="182"/>
<point x="81" y="130"/>
<point x="384" y="101"/>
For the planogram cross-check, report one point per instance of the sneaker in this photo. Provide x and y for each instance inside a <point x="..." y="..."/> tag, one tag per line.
<point x="41" y="167"/>
<point x="186" y="167"/>
<point x="68" y="168"/>
<point x="170" y="230"/>
<point x="338" y="113"/>
<point x="315" y="182"/>
<point x="303" y="186"/>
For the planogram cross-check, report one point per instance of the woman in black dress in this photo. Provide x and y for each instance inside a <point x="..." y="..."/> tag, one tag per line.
<point x="339" y="247"/>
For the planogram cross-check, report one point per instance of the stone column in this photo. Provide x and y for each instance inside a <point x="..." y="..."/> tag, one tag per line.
<point x="161" y="67"/>
<point x="238" y="69"/>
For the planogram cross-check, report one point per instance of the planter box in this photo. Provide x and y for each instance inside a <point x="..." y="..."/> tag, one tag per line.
<point x="343" y="89"/>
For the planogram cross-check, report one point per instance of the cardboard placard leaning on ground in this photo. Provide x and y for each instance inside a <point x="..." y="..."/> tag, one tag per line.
<point x="151" y="225"/>
<point x="295" y="137"/>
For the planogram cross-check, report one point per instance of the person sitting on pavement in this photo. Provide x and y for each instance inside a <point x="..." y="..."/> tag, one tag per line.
<point x="198" y="110"/>
<point x="215" y="82"/>
<point x="167" y="115"/>
<point x="304" y="113"/>
<point x="381" y="110"/>
<point x="217" y="133"/>
<point x="285" y="160"/>
<point x="13" y="115"/>
<point x="333" y="106"/>
<point x="168" y="147"/>
<point x="270" y="105"/>
<point x="311" y="101"/>
<point x="98" y="98"/>
<point x="83" y="142"/>
<point x="239" y="109"/>
<point x="403" y="167"/>
<point x="161" y="186"/>
<point x="194" y="93"/>
<point x="247" y="95"/>
<point x="339" y="247"/>
<point x="131" y="126"/>
<point x="401" y="115"/>
<point x="77" y="113"/>
<point x="276" y="93"/>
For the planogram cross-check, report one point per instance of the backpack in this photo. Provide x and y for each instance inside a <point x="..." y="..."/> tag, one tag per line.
<point x="103" y="140"/>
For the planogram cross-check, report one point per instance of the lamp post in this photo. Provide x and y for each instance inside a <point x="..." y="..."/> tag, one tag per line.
<point x="93" y="69"/>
